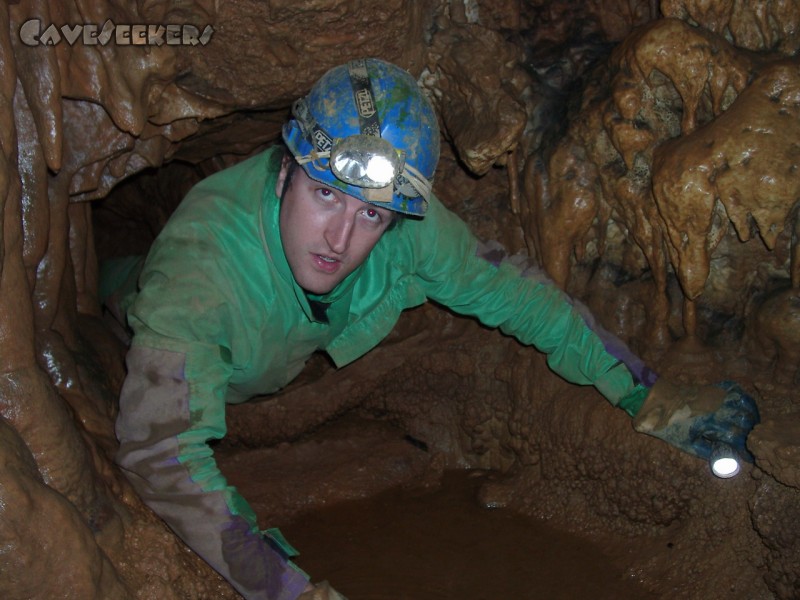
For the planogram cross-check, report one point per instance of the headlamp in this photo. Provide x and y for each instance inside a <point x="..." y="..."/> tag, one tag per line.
<point x="372" y="163"/>
<point x="366" y="161"/>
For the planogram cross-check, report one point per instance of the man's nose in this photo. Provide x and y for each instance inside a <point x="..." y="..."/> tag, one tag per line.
<point x="339" y="232"/>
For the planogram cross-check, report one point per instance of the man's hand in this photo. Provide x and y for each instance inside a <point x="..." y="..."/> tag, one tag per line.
<point x="321" y="591"/>
<point x="692" y="418"/>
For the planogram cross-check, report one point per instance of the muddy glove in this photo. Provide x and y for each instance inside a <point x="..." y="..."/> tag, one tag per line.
<point x="321" y="591"/>
<point x="693" y="418"/>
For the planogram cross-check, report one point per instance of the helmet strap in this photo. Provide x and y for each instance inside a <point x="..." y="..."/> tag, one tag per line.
<point x="364" y="98"/>
<point x="310" y="129"/>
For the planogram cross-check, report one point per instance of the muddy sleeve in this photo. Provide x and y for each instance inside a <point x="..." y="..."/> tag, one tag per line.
<point x="164" y="426"/>
<point x="508" y="293"/>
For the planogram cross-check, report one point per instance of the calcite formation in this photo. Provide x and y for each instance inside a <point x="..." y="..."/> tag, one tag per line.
<point x="741" y="168"/>
<point x="650" y="168"/>
<point x="632" y="150"/>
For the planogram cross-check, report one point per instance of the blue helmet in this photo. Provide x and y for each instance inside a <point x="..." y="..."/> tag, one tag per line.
<point x="367" y="129"/>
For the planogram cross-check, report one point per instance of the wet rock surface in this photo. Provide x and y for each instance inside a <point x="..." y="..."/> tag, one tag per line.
<point x="626" y="147"/>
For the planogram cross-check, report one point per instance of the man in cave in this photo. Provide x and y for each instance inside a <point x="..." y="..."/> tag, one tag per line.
<point x="320" y="245"/>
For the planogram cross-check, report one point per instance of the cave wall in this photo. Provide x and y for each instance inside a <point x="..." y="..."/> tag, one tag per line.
<point x="564" y="126"/>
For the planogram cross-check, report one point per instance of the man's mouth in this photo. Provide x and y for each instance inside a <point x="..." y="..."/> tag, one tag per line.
<point x="325" y="263"/>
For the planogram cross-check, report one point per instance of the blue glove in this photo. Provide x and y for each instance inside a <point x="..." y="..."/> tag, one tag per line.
<point x="694" y="418"/>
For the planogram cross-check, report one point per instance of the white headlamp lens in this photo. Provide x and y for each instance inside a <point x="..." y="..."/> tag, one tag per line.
<point x="348" y="168"/>
<point x="380" y="169"/>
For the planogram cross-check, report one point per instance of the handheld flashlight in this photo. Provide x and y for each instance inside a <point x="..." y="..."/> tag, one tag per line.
<point x="724" y="460"/>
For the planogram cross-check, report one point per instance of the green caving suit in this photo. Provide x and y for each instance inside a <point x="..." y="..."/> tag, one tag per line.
<point x="218" y="318"/>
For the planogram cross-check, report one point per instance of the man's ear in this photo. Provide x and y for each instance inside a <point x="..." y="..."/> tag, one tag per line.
<point x="282" y="175"/>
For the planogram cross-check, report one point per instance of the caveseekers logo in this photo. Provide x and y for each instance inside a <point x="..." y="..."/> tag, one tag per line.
<point x="32" y="34"/>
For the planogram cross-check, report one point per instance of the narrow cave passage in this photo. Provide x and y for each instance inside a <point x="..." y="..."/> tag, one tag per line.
<point x="379" y="511"/>
<point x="368" y="503"/>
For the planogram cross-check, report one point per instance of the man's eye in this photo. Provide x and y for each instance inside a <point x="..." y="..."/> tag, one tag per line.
<point x="372" y="214"/>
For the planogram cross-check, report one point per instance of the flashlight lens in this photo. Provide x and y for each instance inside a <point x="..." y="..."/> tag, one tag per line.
<point x="725" y="467"/>
<point x="724" y="460"/>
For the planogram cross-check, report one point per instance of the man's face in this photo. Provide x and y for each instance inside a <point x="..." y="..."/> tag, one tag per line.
<point x="326" y="233"/>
